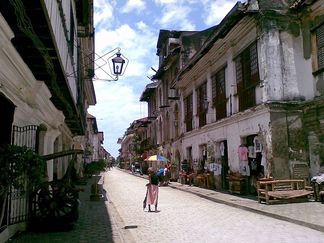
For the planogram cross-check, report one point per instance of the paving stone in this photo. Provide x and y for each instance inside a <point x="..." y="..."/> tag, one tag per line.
<point x="187" y="214"/>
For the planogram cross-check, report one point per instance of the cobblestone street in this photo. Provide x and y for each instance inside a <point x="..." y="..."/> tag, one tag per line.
<point x="185" y="217"/>
<point x="192" y="216"/>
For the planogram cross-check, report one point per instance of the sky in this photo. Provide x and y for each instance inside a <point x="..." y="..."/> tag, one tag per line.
<point x="133" y="26"/>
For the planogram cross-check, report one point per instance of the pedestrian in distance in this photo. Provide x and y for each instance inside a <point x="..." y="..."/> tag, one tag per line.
<point x="152" y="191"/>
<point x="160" y="175"/>
<point x="165" y="175"/>
<point x="133" y="168"/>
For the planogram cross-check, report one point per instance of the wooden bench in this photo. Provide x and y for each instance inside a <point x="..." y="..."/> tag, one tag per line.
<point x="283" y="190"/>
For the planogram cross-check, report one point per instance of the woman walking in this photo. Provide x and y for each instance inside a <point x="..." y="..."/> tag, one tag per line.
<point x="152" y="191"/>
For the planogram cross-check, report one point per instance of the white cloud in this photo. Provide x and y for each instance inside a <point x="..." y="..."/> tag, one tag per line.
<point x="164" y="2"/>
<point x="117" y="106"/>
<point x="173" y="3"/>
<point x="176" y="16"/>
<point x="217" y="10"/>
<point x="103" y="12"/>
<point x="173" y="14"/>
<point x="110" y="39"/>
<point x="110" y="93"/>
<point x="133" y="5"/>
<point x="142" y="26"/>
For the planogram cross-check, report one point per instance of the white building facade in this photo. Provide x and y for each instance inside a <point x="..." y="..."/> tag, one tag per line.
<point x="244" y="91"/>
<point x="45" y="81"/>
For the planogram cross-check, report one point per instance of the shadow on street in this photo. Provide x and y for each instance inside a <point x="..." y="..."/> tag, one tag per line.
<point x="93" y="224"/>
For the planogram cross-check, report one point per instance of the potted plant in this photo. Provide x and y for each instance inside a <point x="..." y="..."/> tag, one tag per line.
<point x="16" y="164"/>
<point x="93" y="169"/>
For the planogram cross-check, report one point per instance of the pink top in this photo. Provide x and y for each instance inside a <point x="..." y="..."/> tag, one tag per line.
<point x="243" y="153"/>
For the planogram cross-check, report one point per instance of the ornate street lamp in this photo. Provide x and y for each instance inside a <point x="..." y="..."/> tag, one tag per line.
<point x="117" y="65"/>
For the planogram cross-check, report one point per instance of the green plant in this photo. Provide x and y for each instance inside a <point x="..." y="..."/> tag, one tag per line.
<point x="16" y="162"/>
<point x="95" y="166"/>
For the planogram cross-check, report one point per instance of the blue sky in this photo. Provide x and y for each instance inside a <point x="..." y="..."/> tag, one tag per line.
<point x="134" y="25"/>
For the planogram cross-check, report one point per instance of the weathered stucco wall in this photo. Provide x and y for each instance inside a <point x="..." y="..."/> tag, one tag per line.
<point x="288" y="142"/>
<point x="232" y="130"/>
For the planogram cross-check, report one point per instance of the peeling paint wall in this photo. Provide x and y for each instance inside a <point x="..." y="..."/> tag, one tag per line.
<point x="233" y="132"/>
<point x="288" y="142"/>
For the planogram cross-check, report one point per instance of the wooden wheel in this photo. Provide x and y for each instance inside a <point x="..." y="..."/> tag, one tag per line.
<point x="55" y="202"/>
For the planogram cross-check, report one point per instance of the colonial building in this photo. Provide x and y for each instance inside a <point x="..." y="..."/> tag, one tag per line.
<point x="135" y="144"/>
<point x="47" y="53"/>
<point x="244" y="98"/>
<point x="94" y="150"/>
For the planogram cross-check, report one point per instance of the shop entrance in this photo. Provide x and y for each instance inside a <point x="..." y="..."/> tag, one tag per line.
<point x="256" y="168"/>
<point x="225" y="167"/>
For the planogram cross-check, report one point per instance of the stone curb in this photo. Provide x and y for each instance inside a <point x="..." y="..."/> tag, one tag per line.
<point x="250" y="209"/>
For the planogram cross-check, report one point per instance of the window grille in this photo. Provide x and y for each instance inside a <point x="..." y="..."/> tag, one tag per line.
<point x="320" y="46"/>
<point x="247" y="76"/>
<point x="25" y="136"/>
<point x="219" y="93"/>
<point x="202" y="104"/>
<point x="188" y="105"/>
<point x="18" y="198"/>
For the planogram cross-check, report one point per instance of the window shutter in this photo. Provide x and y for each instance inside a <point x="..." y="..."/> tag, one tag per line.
<point x="320" y="46"/>
<point x="254" y="64"/>
<point x="238" y="69"/>
<point x="188" y="112"/>
<point x="220" y="102"/>
<point x="247" y="76"/>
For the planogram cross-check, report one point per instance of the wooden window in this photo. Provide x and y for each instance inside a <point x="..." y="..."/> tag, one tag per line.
<point x="247" y="76"/>
<point x="176" y="120"/>
<point x="165" y="89"/>
<point x="219" y="93"/>
<point x="188" y="106"/>
<point x="202" y="104"/>
<point x="152" y="106"/>
<point x="320" y="47"/>
<point x="167" y="126"/>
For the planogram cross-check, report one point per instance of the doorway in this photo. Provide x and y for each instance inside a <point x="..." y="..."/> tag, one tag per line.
<point x="7" y="110"/>
<point x="224" y="158"/>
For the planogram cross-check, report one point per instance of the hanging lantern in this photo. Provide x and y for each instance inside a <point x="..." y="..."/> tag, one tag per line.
<point x="118" y="64"/>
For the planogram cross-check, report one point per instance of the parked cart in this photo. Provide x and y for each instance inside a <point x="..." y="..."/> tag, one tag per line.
<point x="54" y="204"/>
